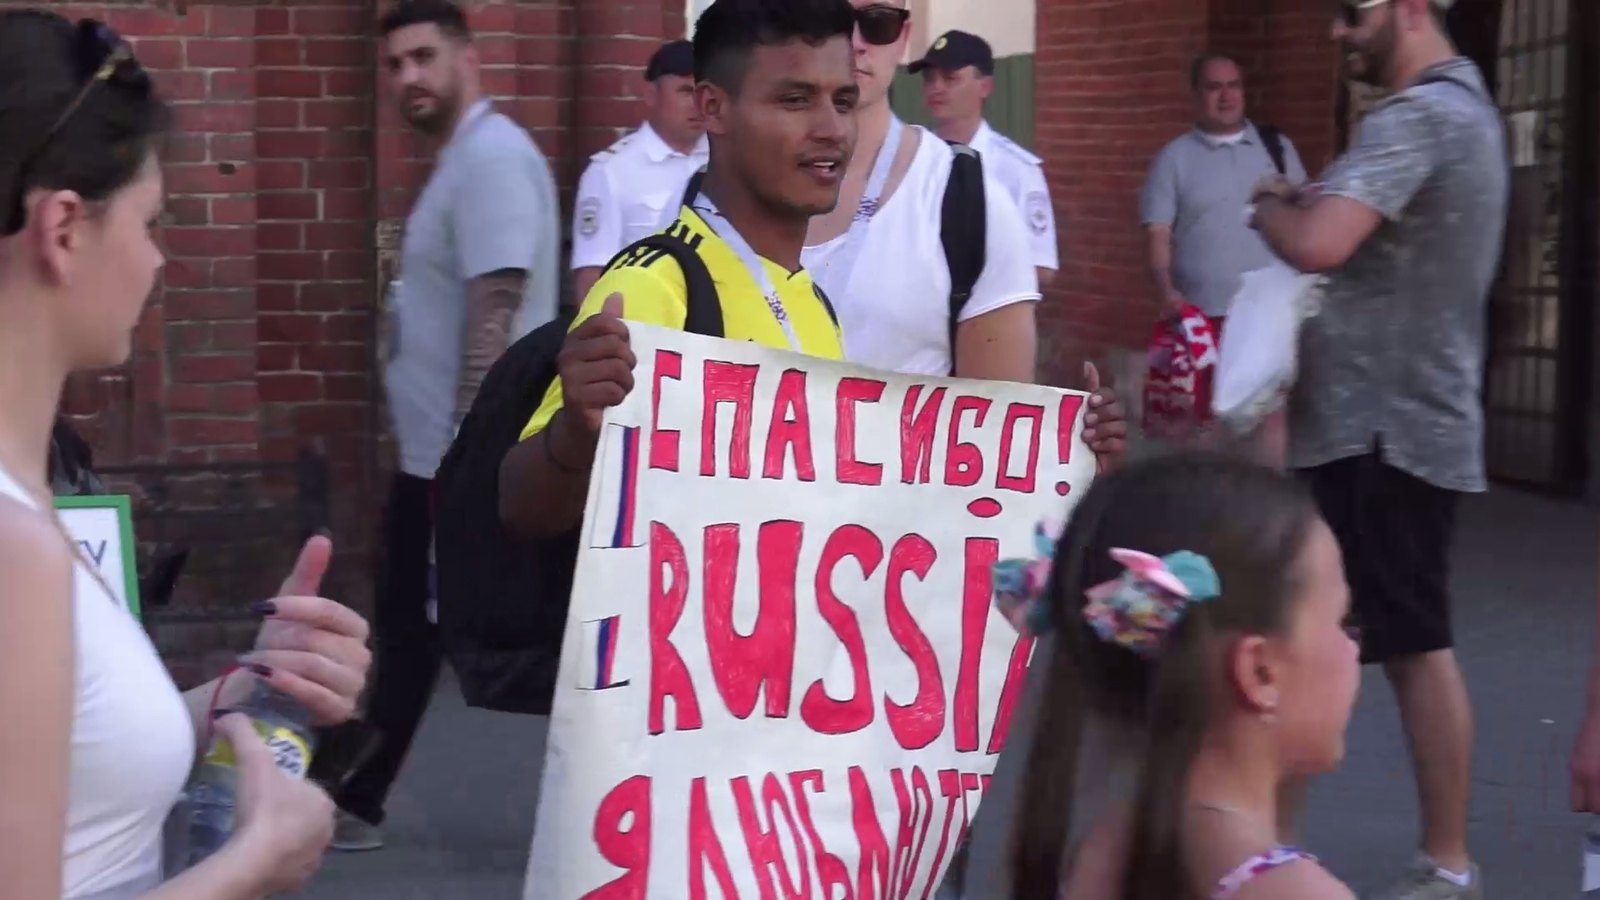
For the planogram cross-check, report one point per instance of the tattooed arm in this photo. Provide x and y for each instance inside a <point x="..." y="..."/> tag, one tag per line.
<point x="492" y="302"/>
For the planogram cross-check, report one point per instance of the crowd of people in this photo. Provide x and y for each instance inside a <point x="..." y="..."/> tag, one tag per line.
<point x="1157" y="756"/>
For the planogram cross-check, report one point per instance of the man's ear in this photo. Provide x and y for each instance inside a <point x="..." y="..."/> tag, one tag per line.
<point x="713" y="103"/>
<point x="986" y="86"/>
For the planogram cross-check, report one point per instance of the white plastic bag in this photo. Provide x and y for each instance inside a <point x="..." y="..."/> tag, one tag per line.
<point x="1260" y="343"/>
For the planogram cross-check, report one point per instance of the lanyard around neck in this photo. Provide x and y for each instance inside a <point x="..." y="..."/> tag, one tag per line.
<point x="834" y="274"/>
<point x="752" y="261"/>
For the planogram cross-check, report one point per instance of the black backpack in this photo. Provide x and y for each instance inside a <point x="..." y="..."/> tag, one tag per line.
<point x="503" y="602"/>
<point x="963" y="230"/>
<point x="1272" y="140"/>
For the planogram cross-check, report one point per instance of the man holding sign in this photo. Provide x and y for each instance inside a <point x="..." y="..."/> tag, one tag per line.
<point x="777" y="89"/>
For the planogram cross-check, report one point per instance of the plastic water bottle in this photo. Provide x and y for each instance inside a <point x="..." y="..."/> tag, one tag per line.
<point x="285" y="726"/>
<point x="1591" y="860"/>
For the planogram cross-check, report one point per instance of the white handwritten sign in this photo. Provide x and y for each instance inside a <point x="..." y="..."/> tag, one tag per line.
<point x="783" y="674"/>
<point x="102" y="526"/>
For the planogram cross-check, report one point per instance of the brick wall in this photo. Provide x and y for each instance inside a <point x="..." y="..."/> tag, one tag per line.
<point x="1111" y="91"/>
<point x="288" y="176"/>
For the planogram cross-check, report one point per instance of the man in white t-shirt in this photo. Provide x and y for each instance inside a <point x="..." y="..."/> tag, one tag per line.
<point x="895" y="310"/>
<point x="957" y="77"/>
<point x="631" y="189"/>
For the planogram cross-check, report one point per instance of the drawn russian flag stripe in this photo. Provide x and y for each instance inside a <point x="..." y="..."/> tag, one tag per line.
<point x="600" y="641"/>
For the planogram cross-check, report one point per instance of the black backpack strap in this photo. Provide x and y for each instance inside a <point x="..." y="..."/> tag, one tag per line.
<point x="963" y="230"/>
<point x="705" y="309"/>
<point x="1272" y="139"/>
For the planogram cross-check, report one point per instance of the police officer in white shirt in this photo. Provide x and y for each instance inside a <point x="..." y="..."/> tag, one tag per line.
<point x="631" y="189"/>
<point x="957" y="77"/>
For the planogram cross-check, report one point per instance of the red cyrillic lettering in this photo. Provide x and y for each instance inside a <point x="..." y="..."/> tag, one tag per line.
<point x="916" y="434"/>
<point x="963" y="462"/>
<point x="734" y="383"/>
<point x="627" y="850"/>
<point x="908" y="845"/>
<point x="831" y="869"/>
<point x="916" y="724"/>
<point x="669" y="677"/>
<point x="742" y="664"/>
<point x="791" y="427"/>
<point x="977" y="589"/>
<point x="704" y="847"/>
<point x="851" y="470"/>
<point x="663" y="441"/>
<point x="869" y="837"/>
<point x="1024" y="483"/>
<point x="1016" y="678"/>
<point x="766" y="850"/>
<point x="824" y="714"/>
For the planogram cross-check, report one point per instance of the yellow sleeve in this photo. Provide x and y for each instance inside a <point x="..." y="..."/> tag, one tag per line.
<point x="653" y="294"/>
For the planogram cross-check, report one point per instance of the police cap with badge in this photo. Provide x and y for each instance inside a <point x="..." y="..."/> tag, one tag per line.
<point x="955" y="50"/>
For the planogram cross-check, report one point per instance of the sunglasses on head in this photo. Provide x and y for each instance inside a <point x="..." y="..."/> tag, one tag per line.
<point x="101" y="55"/>
<point x="1350" y="11"/>
<point x="881" y="25"/>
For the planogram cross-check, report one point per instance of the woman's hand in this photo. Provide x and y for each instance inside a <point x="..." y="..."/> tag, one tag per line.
<point x="282" y="824"/>
<point x="310" y="647"/>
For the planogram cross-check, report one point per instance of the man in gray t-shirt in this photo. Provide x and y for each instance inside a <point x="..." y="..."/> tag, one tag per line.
<point x="479" y="266"/>
<point x="1385" y="422"/>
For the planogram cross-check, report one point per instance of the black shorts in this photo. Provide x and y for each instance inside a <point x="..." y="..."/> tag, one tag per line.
<point x="1395" y="531"/>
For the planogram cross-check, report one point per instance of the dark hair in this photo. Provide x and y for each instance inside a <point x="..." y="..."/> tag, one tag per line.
<point x="62" y="126"/>
<point x="1198" y="67"/>
<point x="452" y="22"/>
<point x="730" y="30"/>
<point x="1251" y="523"/>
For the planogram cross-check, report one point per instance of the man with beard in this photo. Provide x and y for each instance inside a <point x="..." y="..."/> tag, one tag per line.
<point x="1386" y="422"/>
<point x="479" y="266"/>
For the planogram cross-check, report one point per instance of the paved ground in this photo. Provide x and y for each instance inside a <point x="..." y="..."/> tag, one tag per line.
<point x="462" y="814"/>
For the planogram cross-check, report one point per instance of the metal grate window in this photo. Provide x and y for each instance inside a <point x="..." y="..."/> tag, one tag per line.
<point x="1529" y="405"/>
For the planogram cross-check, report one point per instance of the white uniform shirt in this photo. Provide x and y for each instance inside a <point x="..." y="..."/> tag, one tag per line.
<point x="627" y="192"/>
<point x="1022" y="175"/>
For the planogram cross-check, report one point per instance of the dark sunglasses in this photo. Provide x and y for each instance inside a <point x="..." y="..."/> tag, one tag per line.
<point x="101" y="54"/>
<point x="881" y="25"/>
<point x="1350" y="11"/>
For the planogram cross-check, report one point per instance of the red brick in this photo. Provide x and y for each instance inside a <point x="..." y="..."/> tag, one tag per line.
<point x="188" y="398"/>
<point x="277" y="296"/>
<point x="352" y="52"/>
<point x="230" y="21"/>
<point x="228" y="84"/>
<point x="205" y="179"/>
<point x="272" y="21"/>
<point x="233" y="336"/>
<point x="347" y="388"/>
<point x="280" y="236"/>
<point x="233" y="210"/>
<point x="275" y="358"/>
<point x="334" y="358"/>
<point x="234" y="148"/>
<point x="237" y="399"/>
<point x="290" y="387"/>
<point x="351" y="328"/>
<point x="348" y="236"/>
<point x="207" y="53"/>
<point x="291" y="266"/>
<point x="281" y="174"/>
<point x="288" y="83"/>
<point x="210" y="242"/>
<point x="210" y="431"/>
<point x="229" y="273"/>
<point x="288" y="144"/>
<point x="341" y="173"/>
<point x="213" y="368"/>
<point x="338" y="113"/>
<point x="159" y="53"/>
<point x="207" y="306"/>
<point x="287" y="205"/>
<point x="292" y="329"/>
<point x="187" y="211"/>
<point x="318" y="22"/>
<point x="280" y="51"/>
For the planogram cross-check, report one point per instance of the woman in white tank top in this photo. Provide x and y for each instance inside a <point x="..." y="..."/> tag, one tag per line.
<point x="97" y="741"/>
